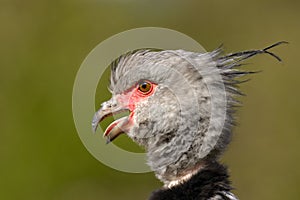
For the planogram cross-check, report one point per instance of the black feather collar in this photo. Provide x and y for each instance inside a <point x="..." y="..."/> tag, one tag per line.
<point x="212" y="182"/>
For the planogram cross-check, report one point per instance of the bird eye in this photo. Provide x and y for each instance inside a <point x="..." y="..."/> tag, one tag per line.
<point x="145" y="87"/>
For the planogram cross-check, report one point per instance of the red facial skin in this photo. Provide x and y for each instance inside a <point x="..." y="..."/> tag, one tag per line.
<point x="130" y="98"/>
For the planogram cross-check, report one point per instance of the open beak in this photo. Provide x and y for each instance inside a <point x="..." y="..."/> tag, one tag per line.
<point x="117" y="127"/>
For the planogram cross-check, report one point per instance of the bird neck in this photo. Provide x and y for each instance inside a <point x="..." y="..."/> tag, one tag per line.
<point x="182" y="178"/>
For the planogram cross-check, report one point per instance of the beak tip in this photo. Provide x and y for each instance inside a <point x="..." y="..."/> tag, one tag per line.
<point x="95" y="122"/>
<point x="94" y="127"/>
<point x="108" y="140"/>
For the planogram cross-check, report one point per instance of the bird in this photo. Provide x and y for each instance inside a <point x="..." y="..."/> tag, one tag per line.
<point x="181" y="107"/>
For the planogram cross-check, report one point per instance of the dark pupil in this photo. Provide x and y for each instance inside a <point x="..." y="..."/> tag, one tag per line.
<point x="144" y="85"/>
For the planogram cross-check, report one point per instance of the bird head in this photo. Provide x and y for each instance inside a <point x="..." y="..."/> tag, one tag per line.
<point x="180" y="106"/>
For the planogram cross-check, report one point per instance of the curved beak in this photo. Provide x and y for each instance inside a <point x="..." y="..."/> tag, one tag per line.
<point x="119" y="126"/>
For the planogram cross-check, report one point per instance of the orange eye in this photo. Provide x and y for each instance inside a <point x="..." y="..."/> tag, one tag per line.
<point x="145" y="87"/>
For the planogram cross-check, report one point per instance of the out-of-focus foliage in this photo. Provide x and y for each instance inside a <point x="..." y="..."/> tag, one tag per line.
<point x="42" y="44"/>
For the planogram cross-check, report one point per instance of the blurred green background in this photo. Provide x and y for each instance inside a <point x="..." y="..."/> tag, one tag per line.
<point x="43" y="43"/>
